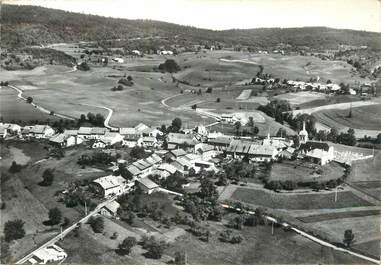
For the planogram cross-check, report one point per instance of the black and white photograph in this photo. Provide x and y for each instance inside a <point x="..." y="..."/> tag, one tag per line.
<point x="190" y="132"/>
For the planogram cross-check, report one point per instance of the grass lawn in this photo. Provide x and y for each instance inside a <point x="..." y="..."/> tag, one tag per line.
<point x="365" y="117"/>
<point x="257" y="247"/>
<point x="301" y="97"/>
<point x="371" y="247"/>
<point x="366" y="170"/>
<point x="297" y="201"/>
<point x="339" y="215"/>
<point x="17" y="110"/>
<point x="301" y="171"/>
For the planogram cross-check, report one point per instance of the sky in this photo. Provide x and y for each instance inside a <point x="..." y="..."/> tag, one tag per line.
<point x="227" y="14"/>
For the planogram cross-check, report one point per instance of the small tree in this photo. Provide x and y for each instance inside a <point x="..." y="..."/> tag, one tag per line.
<point x="97" y="224"/>
<point x="47" y="178"/>
<point x="14" y="168"/>
<point x="348" y="237"/>
<point x="218" y="100"/>
<point x="55" y="216"/>
<point x="29" y="100"/>
<point x="14" y="230"/>
<point x="176" y="124"/>
<point x="126" y="245"/>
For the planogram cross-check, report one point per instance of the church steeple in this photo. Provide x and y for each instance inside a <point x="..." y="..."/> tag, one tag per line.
<point x="303" y="134"/>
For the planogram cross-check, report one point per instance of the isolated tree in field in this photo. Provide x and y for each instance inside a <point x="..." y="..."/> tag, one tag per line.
<point x="348" y="237"/>
<point x="176" y="124"/>
<point x="29" y="100"/>
<point x="97" y="224"/>
<point x="170" y="66"/>
<point x="47" y="178"/>
<point x="126" y="245"/>
<point x="129" y="78"/>
<point x="14" y="168"/>
<point x="55" y="216"/>
<point x="14" y="230"/>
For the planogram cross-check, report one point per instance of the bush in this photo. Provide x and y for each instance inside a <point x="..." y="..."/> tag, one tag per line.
<point x="218" y="100"/>
<point x="127" y="244"/>
<point x="97" y="224"/>
<point x="83" y="66"/>
<point x="14" y="168"/>
<point x="126" y="82"/>
<point x="55" y="216"/>
<point x="170" y="66"/>
<point x="47" y="177"/>
<point x="209" y="90"/>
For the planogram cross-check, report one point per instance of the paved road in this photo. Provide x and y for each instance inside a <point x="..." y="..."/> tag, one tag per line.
<point x="66" y="231"/>
<point x="311" y="237"/>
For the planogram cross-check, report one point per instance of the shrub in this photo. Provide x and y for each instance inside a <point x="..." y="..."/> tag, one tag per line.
<point x="83" y="66"/>
<point x="14" y="168"/>
<point x="97" y="224"/>
<point x="47" y="177"/>
<point x="14" y="230"/>
<point x="170" y="66"/>
<point x="126" y="82"/>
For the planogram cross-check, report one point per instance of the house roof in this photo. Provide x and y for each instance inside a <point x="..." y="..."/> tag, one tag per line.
<point x="149" y="139"/>
<point x="310" y="145"/>
<point x="168" y="167"/>
<point x="131" y="137"/>
<point x="59" y="138"/>
<point x="178" y="152"/>
<point x="316" y="153"/>
<point x="261" y="150"/>
<point x="140" y="127"/>
<point x="156" y="158"/>
<point x="149" y="184"/>
<point x="220" y="140"/>
<point x="39" y="128"/>
<point x="111" y="134"/>
<point x="84" y="130"/>
<point x="179" y="138"/>
<point x="126" y="131"/>
<point x="110" y="181"/>
<point x="205" y="148"/>
<point x="112" y="206"/>
<point x="133" y="170"/>
<point x="98" y="130"/>
<point x="71" y="132"/>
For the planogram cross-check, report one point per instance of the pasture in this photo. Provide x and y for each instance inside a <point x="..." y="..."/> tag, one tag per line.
<point x="301" y="97"/>
<point x="297" y="201"/>
<point x="300" y="171"/>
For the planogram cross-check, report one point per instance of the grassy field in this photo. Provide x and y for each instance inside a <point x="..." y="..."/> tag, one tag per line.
<point x="365" y="117"/>
<point x="297" y="201"/>
<point x="300" y="171"/>
<point x="257" y="247"/>
<point x="15" y="109"/>
<point x="338" y="215"/>
<point x="301" y="97"/>
<point x="366" y="170"/>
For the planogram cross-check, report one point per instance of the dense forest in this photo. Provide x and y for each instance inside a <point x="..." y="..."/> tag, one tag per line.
<point x="32" y="25"/>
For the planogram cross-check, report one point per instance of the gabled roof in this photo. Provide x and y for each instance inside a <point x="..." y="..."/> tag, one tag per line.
<point x="149" y="139"/>
<point x="112" y="206"/>
<point x="156" y="158"/>
<point x="140" y="127"/>
<point x="39" y="128"/>
<point x="179" y="138"/>
<point x="71" y="132"/>
<point x="59" y="138"/>
<point x="98" y="130"/>
<point x="110" y="181"/>
<point x="133" y="170"/>
<point x="131" y="137"/>
<point x="126" y="131"/>
<point x="84" y="130"/>
<point x="168" y="167"/>
<point x="178" y="152"/>
<point x="220" y="140"/>
<point x="149" y="184"/>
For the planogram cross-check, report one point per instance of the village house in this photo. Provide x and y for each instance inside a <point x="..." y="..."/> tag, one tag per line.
<point x="111" y="138"/>
<point x="141" y="127"/>
<point x="109" y="186"/>
<point x="253" y="151"/>
<point x="65" y="140"/>
<point x="132" y="140"/>
<point x="84" y="132"/>
<point x="317" y="152"/>
<point x="9" y="129"/>
<point x="97" y="132"/>
<point x="143" y="167"/>
<point x="152" y="132"/>
<point x="179" y="140"/>
<point x="110" y="209"/>
<point x="147" y="185"/>
<point x="165" y="170"/>
<point x="182" y="164"/>
<point x="206" y="151"/>
<point x="287" y="153"/>
<point x="279" y="143"/>
<point x="52" y="253"/>
<point x="172" y="155"/>
<point x="149" y="141"/>
<point x="220" y="143"/>
<point x="41" y="131"/>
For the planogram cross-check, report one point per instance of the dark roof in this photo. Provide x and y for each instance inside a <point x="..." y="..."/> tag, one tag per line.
<point x="220" y="140"/>
<point x="310" y="145"/>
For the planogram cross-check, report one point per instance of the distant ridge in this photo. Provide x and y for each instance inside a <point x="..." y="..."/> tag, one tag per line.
<point x="33" y="25"/>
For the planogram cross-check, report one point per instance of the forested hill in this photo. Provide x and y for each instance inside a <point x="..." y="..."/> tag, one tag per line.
<point x="32" y="25"/>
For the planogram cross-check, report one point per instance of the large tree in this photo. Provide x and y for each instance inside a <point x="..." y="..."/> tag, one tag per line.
<point x="14" y="230"/>
<point x="127" y="244"/>
<point x="348" y="237"/>
<point x="55" y="216"/>
<point x="176" y="124"/>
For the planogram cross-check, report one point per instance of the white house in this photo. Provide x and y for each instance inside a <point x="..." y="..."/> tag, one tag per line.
<point x="206" y="151"/>
<point x="41" y="131"/>
<point x="110" y="209"/>
<point x="3" y="131"/>
<point x="118" y="60"/>
<point x="99" y="144"/>
<point x="52" y="253"/>
<point x="111" y="138"/>
<point x="147" y="185"/>
<point x="84" y="132"/>
<point x="64" y="140"/>
<point x="141" y="127"/>
<point x="132" y="140"/>
<point x="149" y="141"/>
<point x="110" y="185"/>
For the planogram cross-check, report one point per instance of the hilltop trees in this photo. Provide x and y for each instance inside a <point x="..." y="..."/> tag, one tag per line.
<point x="170" y="66"/>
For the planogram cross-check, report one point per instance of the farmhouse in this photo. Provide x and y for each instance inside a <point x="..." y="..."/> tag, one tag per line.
<point x="109" y="186"/>
<point x="147" y="185"/>
<point x="179" y="140"/>
<point x="205" y="150"/>
<point x="110" y="209"/>
<point x="84" y="132"/>
<point x="278" y="142"/>
<point x="111" y="138"/>
<point x="174" y="154"/>
<point x="182" y="164"/>
<point x="143" y="167"/>
<point x="65" y="140"/>
<point x="165" y="170"/>
<point x="220" y="143"/>
<point x="141" y="127"/>
<point x="317" y="152"/>
<point x="52" y="253"/>
<point x="132" y="140"/>
<point x="97" y="132"/>
<point x="152" y="132"/>
<point x="261" y="153"/>
<point x="41" y="131"/>
<point x="9" y="129"/>
<point x="149" y="141"/>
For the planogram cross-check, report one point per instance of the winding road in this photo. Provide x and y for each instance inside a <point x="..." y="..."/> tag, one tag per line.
<point x="107" y="120"/>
